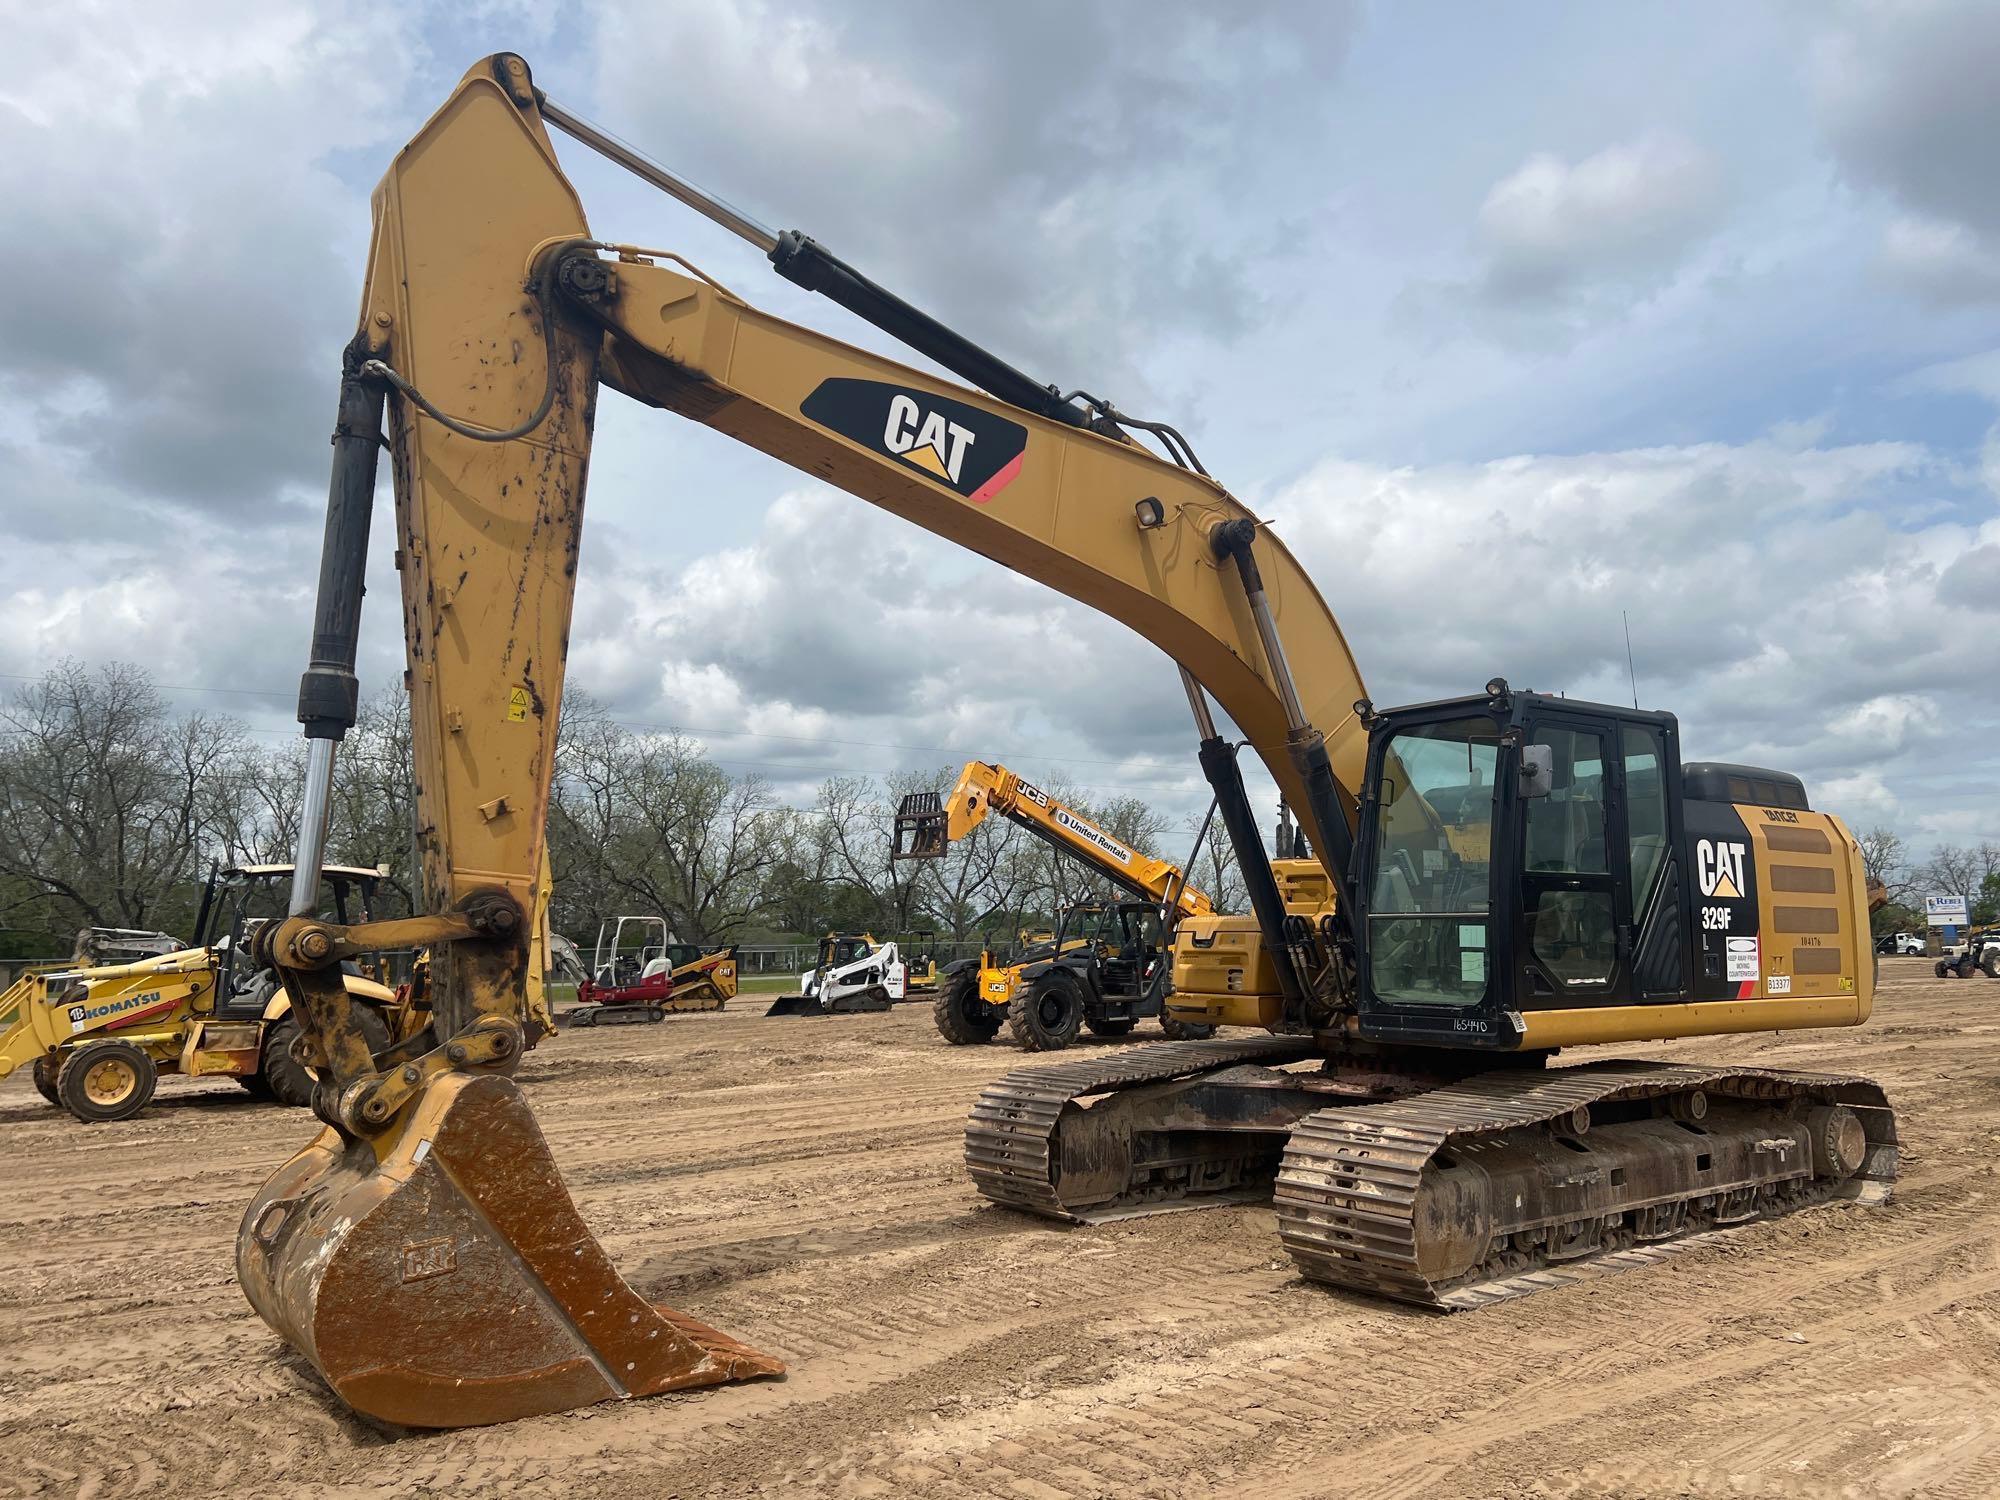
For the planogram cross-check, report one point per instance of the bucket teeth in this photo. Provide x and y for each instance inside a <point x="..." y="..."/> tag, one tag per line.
<point x="452" y="1282"/>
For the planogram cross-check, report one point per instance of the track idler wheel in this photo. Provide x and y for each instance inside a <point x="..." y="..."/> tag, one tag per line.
<point x="452" y="1282"/>
<point x="1839" y="1142"/>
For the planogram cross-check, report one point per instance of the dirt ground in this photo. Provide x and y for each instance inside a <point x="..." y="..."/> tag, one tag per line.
<point x="798" y="1183"/>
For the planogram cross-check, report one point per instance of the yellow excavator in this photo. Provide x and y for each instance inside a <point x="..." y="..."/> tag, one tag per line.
<point x="1106" y="968"/>
<point x="1495" y="877"/>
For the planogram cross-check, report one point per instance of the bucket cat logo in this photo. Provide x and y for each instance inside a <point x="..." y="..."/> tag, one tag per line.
<point x="964" y="448"/>
<point x="1718" y="869"/>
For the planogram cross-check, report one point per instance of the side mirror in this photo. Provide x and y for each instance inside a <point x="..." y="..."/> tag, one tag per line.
<point x="1538" y="770"/>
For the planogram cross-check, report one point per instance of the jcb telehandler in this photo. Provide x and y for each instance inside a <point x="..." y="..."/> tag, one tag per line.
<point x="1496" y="877"/>
<point x="1105" y="968"/>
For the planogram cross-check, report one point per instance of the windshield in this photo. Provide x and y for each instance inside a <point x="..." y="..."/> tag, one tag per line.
<point x="1433" y="851"/>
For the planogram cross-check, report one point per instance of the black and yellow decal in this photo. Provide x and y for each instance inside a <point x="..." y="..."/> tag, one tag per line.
<point x="1728" y="944"/>
<point x="962" y="447"/>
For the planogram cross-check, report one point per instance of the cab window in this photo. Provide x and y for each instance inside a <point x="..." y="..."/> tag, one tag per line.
<point x="1566" y="872"/>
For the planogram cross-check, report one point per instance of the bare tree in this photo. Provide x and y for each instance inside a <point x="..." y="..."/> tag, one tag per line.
<point x="1886" y="859"/>
<point x="715" y="838"/>
<point x="1954" y="870"/>
<point x="106" y="801"/>
<point x="857" y="816"/>
<point x="1216" y="873"/>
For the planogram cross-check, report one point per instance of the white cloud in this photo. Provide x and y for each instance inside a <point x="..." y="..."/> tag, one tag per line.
<point x="1778" y="604"/>
<point x="1112" y="188"/>
<point x="1627" y="213"/>
<point x="1941" y="261"/>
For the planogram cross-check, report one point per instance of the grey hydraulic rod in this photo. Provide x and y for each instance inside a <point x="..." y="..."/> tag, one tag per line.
<point x="1204" y="721"/>
<point x="312" y="826"/>
<point x="1274" y="652"/>
<point x="632" y="161"/>
<point x="1175" y="892"/>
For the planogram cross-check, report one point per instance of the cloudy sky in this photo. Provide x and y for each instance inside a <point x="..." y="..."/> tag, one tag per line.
<point x="1512" y="320"/>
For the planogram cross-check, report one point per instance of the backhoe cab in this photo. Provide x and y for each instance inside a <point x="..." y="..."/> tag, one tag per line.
<point x="97" y="1036"/>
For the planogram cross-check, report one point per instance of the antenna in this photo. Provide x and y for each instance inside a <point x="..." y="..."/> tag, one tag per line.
<point x="1630" y="669"/>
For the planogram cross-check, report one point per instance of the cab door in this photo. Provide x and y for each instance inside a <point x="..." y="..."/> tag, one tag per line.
<point x="1573" y="933"/>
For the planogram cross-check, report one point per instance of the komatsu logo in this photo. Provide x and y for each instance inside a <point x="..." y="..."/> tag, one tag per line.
<point x="81" y="1016"/>
<point x="1718" y="869"/>
<point x="966" y="448"/>
<point x="1095" y="836"/>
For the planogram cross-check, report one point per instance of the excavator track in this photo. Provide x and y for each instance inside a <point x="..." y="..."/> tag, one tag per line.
<point x="1010" y="1140"/>
<point x="1508" y="1183"/>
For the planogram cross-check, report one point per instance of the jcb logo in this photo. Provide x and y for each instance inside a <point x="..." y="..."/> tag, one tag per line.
<point x="966" y="448"/>
<point x="926" y="438"/>
<point x="1718" y="869"/>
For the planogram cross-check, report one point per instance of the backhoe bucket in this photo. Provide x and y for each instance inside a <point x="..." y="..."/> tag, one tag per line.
<point x="452" y="1283"/>
<point x="922" y="828"/>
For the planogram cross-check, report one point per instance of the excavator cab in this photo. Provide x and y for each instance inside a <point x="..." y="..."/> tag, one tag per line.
<point x="1521" y="856"/>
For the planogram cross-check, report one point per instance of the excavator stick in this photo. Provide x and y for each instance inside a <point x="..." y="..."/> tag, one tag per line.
<point x="922" y="827"/>
<point x="423" y="1253"/>
<point x="451" y="1283"/>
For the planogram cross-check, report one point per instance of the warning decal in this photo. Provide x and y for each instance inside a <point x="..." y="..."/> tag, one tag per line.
<point x="1742" y="960"/>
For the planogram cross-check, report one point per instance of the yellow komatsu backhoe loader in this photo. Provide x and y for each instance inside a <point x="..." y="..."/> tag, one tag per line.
<point x="1107" y="970"/>
<point x="1498" y="876"/>
<point x="96" y="1037"/>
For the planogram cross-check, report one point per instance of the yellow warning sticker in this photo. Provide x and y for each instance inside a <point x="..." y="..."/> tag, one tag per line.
<point x="517" y="706"/>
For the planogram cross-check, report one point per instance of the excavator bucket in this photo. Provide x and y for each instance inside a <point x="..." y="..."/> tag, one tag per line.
<point x="451" y="1283"/>
<point x="922" y="827"/>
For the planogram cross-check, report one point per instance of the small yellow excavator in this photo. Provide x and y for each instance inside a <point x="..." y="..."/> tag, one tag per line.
<point x="1495" y="876"/>
<point x="1106" y="967"/>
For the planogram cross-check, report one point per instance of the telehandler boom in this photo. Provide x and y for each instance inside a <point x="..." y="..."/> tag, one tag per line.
<point x="1109" y="974"/>
<point x="1496" y="876"/>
